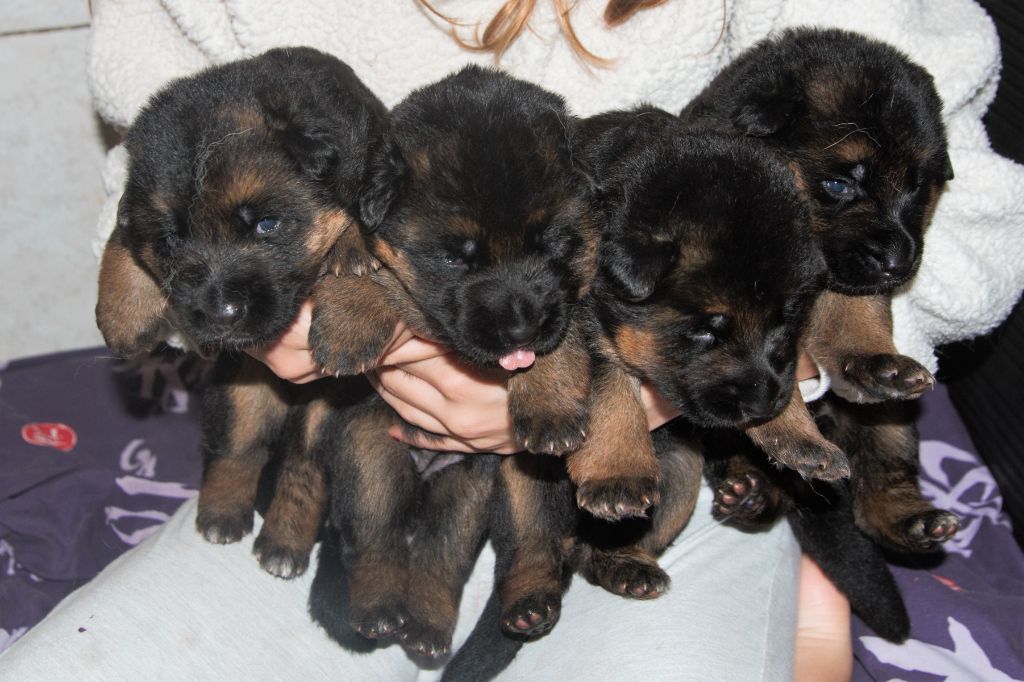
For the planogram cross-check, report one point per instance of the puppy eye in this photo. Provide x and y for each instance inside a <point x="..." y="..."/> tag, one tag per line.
<point x="267" y="225"/>
<point x="838" y="189"/>
<point x="461" y="255"/>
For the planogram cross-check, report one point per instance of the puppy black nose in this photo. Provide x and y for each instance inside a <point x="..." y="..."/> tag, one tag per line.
<point x="522" y="333"/>
<point x="758" y="410"/>
<point x="226" y="313"/>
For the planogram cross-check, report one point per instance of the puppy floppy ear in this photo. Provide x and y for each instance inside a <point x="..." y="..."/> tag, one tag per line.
<point x="766" y="111"/>
<point x="386" y="178"/>
<point x="131" y="309"/>
<point x="635" y="266"/>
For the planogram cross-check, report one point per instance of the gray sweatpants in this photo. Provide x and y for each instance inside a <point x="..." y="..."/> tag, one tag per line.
<point x="177" y="608"/>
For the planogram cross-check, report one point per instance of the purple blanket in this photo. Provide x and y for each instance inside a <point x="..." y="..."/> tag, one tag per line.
<point x="96" y="454"/>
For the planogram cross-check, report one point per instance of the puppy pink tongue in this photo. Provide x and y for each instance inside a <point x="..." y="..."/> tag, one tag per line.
<point x="517" y="359"/>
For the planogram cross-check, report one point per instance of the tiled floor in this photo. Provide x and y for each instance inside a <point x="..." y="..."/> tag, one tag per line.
<point x="50" y="188"/>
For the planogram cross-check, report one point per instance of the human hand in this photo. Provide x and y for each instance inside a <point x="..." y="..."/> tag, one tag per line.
<point x="290" y="357"/>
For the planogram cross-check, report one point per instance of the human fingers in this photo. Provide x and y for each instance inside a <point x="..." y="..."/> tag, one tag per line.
<point x="806" y="367"/>
<point x="824" y="650"/>
<point x="450" y="443"/>
<point x="479" y="423"/>
<point x="289" y="357"/>
<point x="659" y="411"/>
<point x="385" y="378"/>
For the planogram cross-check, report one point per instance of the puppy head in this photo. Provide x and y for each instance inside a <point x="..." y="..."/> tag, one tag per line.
<point x="708" y="272"/>
<point x="861" y="125"/>
<point x="237" y="189"/>
<point x="473" y="202"/>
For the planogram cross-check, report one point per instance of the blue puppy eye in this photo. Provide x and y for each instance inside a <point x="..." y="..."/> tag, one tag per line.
<point x="266" y="225"/>
<point x="840" y="189"/>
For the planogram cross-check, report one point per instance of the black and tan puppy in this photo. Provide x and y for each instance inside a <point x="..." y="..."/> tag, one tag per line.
<point x="860" y="125"/>
<point x="707" y="276"/>
<point x="240" y="179"/>
<point x="473" y="205"/>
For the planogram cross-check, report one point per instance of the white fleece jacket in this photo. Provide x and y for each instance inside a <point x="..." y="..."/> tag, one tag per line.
<point x="973" y="268"/>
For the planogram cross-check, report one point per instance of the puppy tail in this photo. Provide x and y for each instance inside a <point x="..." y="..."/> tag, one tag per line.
<point x="855" y="565"/>
<point x="488" y="650"/>
<point x="329" y="597"/>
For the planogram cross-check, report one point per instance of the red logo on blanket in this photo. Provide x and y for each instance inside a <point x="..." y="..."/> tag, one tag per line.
<point x="60" y="436"/>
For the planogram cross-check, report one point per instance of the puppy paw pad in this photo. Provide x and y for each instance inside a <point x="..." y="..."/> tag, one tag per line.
<point x="618" y="499"/>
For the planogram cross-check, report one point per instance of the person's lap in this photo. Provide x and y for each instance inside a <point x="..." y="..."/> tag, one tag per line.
<point x="178" y="608"/>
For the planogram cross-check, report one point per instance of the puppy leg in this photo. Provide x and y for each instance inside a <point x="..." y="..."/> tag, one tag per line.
<point x="296" y="512"/>
<point x="548" y="402"/>
<point x="532" y="516"/>
<point x="373" y="493"/>
<point x="615" y="471"/>
<point x="851" y="336"/>
<point x="622" y="557"/>
<point x="351" y="324"/>
<point x="793" y="440"/>
<point x="883" y="445"/>
<point x="242" y="414"/>
<point x="450" y="527"/>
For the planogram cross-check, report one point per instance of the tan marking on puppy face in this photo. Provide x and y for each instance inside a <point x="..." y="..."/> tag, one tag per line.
<point x="824" y="96"/>
<point x="463" y="226"/>
<point x="131" y="309"/>
<point x="856" y="148"/>
<point x="799" y="181"/>
<point x="240" y="187"/>
<point x="244" y="118"/>
<point x="637" y="346"/>
<point x="395" y="260"/>
<point x="419" y="162"/>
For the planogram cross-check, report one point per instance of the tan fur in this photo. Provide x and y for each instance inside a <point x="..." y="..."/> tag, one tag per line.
<point x="618" y="445"/>
<point x="131" y="309"/>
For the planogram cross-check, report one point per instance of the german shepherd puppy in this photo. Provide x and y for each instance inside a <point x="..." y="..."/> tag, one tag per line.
<point x="860" y="125"/>
<point x="474" y="208"/>
<point x="708" y="273"/>
<point x="240" y="183"/>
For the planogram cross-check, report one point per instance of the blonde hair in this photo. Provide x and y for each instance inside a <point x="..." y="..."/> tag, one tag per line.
<point x="512" y="18"/>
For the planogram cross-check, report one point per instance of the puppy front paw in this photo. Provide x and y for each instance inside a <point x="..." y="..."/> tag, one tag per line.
<point x="812" y="458"/>
<point x="343" y="344"/>
<point x="279" y="559"/>
<point x="381" y="620"/>
<point x="224" y="526"/>
<point x="533" y="615"/>
<point x="348" y="259"/>
<point x="546" y="433"/>
<point x="874" y="378"/>
<point x="619" y="498"/>
<point x="630" y="575"/>
<point x="428" y="646"/>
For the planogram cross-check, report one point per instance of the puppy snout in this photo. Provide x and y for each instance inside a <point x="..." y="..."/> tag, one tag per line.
<point x="522" y="333"/>
<point x="758" y="397"/>
<point x="892" y="253"/>
<point x="223" y="307"/>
